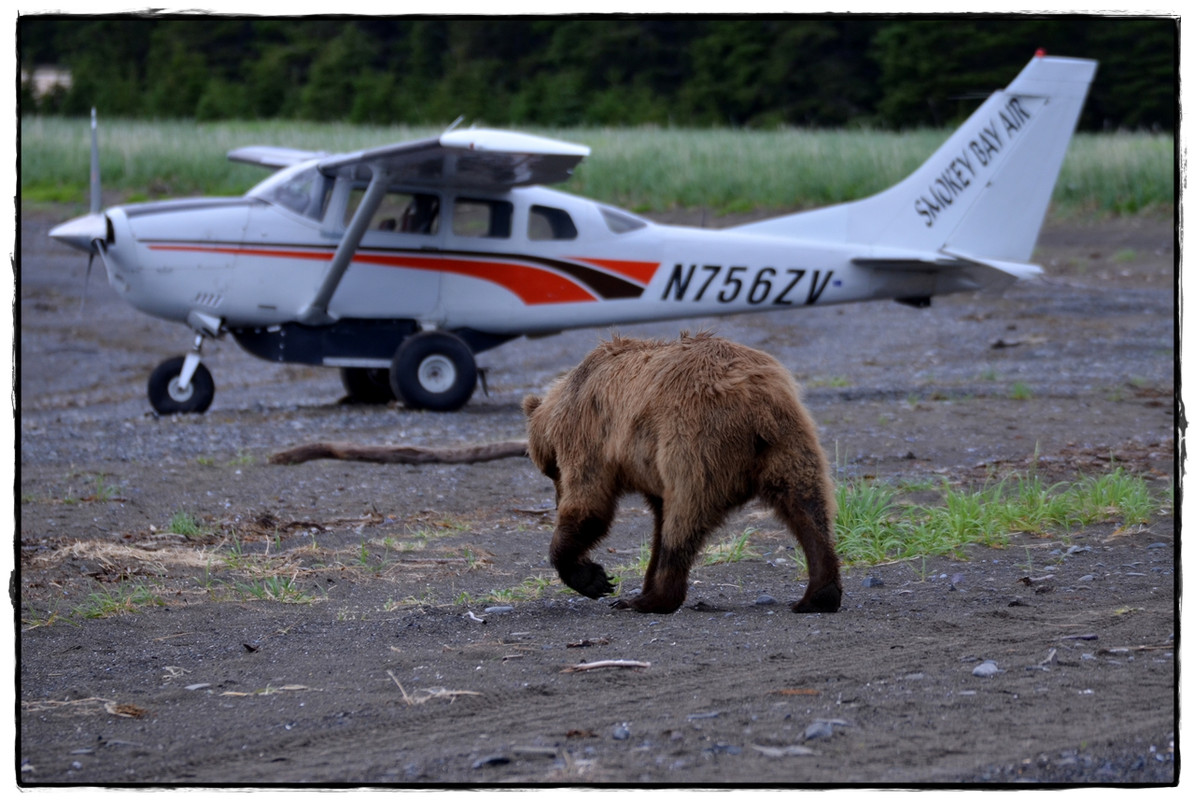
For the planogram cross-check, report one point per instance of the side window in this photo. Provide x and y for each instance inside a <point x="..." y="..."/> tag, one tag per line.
<point x="481" y="218"/>
<point x="545" y="224"/>
<point x="399" y="211"/>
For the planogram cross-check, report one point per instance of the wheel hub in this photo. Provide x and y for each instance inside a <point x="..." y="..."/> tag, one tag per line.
<point x="179" y="394"/>
<point x="437" y="374"/>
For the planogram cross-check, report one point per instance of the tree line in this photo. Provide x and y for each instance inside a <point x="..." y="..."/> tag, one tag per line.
<point x="831" y="71"/>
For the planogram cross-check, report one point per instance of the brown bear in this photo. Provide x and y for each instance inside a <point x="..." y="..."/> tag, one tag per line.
<point x="698" y="426"/>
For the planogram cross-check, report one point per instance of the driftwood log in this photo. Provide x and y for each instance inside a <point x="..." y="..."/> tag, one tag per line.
<point x="402" y="454"/>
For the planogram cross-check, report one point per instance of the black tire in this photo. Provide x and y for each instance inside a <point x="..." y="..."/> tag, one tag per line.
<point x="367" y="385"/>
<point x="165" y="397"/>
<point x="433" y="370"/>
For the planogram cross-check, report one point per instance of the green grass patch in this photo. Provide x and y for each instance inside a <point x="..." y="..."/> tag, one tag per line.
<point x="121" y="599"/>
<point x="731" y="550"/>
<point x="645" y="169"/>
<point x="185" y="524"/>
<point x="874" y="526"/>
<point x="276" y="588"/>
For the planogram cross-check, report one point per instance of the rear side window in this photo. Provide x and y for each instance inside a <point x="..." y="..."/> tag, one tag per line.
<point x="546" y="224"/>
<point x="481" y="218"/>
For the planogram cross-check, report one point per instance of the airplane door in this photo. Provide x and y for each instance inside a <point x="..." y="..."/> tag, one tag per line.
<point x="395" y="272"/>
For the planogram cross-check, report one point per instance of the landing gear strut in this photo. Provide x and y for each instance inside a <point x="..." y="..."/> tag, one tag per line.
<point x="182" y="385"/>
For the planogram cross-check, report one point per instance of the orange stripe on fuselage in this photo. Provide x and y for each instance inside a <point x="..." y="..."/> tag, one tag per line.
<point x="641" y="271"/>
<point x="532" y="285"/>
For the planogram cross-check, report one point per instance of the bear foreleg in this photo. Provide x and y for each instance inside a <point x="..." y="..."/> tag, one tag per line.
<point x="676" y="542"/>
<point x="577" y="531"/>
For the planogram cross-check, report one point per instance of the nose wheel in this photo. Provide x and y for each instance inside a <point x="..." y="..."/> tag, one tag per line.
<point x="168" y="394"/>
<point x="433" y="370"/>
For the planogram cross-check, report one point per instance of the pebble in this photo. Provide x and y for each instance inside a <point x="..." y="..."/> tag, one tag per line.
<point x="765" y="600"/>
<point x="819" y="729"/>
<point x="492" y="760"/>
<point x="873" y="582"/>
<point x="986" y="670"/>
<point x="779" y="752"/>
<point x="621" y="732"/>
<point x="499" y="609"/>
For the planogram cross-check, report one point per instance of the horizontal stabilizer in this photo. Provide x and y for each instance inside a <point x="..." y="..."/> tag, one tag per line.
<point x="954" y="271"/>
<point x="1016" y="269"/>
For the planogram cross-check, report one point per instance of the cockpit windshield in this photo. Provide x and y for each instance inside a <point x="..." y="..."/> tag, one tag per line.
<point x="303" y="190"/>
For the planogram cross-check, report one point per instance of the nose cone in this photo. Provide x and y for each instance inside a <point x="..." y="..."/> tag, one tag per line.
<point x="81" y="232"/>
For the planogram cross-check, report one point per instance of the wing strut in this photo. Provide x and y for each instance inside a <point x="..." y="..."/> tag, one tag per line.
<point x="316" y="313"/>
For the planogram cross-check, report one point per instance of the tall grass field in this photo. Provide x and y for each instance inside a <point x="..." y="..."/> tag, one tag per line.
<point x="643" y="169"/>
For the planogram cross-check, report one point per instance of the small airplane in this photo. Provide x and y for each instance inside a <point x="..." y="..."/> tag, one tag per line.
<point x="397" y="264"/>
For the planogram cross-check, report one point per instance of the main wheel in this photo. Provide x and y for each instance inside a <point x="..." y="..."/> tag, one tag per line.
<point x="167" y="398"/>
<point x="367" y="385"/>
<point x="433" y="370"/>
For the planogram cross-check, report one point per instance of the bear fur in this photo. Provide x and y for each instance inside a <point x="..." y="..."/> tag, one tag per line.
<point x="698" y="426"/>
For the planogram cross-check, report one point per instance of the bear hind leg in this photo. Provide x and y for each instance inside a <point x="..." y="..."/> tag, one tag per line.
<point x="809" y="516"/>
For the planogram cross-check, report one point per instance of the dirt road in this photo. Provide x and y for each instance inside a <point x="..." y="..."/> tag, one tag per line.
<point x="190" y="614"/>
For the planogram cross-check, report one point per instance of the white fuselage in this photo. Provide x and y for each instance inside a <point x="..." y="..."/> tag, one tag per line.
<point x="252" y="261"/>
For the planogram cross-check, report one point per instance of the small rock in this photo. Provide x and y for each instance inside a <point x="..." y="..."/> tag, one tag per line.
<point x="986" y="670"/>
<point x="873" y="582"/>
<point x="491" y="761"/>
<point x="621" y="732"/>
<point x="819" y="729"/>
<point x="765" y="600"/>
<point x="778" y="752"/>
<point x="499" y="609"/>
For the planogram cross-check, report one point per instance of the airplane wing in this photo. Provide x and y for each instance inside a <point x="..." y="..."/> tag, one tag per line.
<point x="274" y="157"/>
<point x="474" y="158"/>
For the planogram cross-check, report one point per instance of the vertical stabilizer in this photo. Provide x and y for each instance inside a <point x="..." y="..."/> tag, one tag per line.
<point x="985" y="191"/>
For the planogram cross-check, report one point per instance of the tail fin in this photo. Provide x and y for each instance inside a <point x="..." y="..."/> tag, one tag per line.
<point x="984" y="193"/>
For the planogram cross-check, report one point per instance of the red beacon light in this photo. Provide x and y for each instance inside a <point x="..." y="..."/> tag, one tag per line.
<point x="1041" y="51"/>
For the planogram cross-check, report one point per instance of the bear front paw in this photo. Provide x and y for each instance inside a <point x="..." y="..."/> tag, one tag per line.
<point x="588" y="579"/>
<point x="648" y="604"/>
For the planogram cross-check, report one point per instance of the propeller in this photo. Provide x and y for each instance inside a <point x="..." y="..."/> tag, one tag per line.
<point x="96" y="201"/>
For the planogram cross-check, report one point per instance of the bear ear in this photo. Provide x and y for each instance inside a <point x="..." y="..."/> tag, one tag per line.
<point x="530" y="403"/>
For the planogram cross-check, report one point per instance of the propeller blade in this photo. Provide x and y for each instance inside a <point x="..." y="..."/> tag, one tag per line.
<point x="86" y="280"/>
<point x="95" y="167"/>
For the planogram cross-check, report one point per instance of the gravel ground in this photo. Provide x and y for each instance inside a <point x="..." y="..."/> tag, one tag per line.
<point x="346" y="623"/>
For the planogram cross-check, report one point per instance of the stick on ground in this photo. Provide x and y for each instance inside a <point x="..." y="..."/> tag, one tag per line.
<point x="402" y="454"/>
